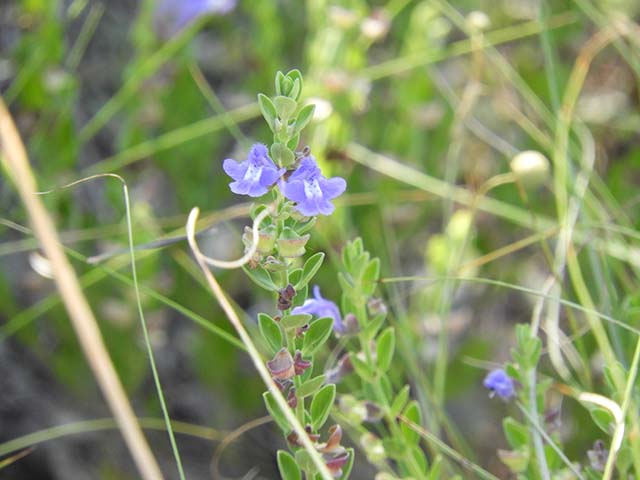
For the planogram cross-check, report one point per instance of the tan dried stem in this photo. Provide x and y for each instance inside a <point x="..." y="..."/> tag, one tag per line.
<point x="84" y="323"/>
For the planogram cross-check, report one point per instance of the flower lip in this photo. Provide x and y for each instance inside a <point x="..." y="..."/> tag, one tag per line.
<point x="321" y="307"/>
<point x="311" y="191"/>
<point x="255" y="175"/>
<point x="500" y="384"/>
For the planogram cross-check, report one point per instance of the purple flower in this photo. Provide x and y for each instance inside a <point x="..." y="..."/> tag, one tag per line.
<point x="255" y="175"/>
<point x="321" y="307"/>
<point x="171" y="16"/>
<point x="500" y="384"/>
<point x="311" y="191"/>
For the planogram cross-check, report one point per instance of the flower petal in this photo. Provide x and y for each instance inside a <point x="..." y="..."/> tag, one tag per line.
<point x="311" y="207"/>
<point x="294" y="190"/>
<point x="234" y="169"/>
<point x="332" y="187"/>
<point x="270" y="176"/>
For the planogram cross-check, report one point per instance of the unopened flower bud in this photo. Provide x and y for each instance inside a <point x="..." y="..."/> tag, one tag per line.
<point x="290" y="244"/>
<point x="376" y="306"/>
<point x="353" y="409"/>
<point x="531" y="168"/>
<point x="373" y="448"/>
<point x="281" y="366"/>
<point x="336" y="462"/>
<point x="478" y="20"/>
<point x="266" y="239"/>
<point x="292" y="399"/>
<point x="460" y="225"/>
<point x="299" y="363"/>
<point x="376" y="26"/>
<point x="285" y="296"/>
<point x="516" y="460"/>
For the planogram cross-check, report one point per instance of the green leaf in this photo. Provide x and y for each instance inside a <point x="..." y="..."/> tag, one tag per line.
<point x="345" y="283"/>
<point x="321" y="405"/>
<point x="419" y="459"/>
<point x="288" y="467"/>
<point x="370" y="277"/>
<point x="412" y="413"/>
<point x="285" y="107"/>
<point x="295" y="89"/>
<point x="304" y="117"/>
<point x="276" y="413"/>
<point x="362" y="369"/>
<point x="295" y="75"/>
<point x="311" y="267"/>
<point x="436" y="469"/>
<point x="400" y="401"/>
<point x="516" y="460"/>
<point x="394" y="447"/>
<point x="268" y="110"/>
<point x="371" y="329"/>
<point x="516" y="433"/>
<point x="281" y="155"/>
<point x="295" y="321"/>
<point x="261" y="278"/>
<point x="385" y="347"/>
<point x="317" y="334"/>
<point x="302" y="228"/>
<point x="310" y="386"/>
<point x="293" y="142"/>
<point x="295" y="275"/>
<point x="303" y="459"/>
<point x="270" y="331"/>
<point x="301" y="295"/>
<point x="279" y="79"/>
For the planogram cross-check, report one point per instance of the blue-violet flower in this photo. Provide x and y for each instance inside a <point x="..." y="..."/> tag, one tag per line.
<point x="321" y="307"/>
<point x="171" y="16"/>
<point x="500" y="384"/>
<point x="311" y="190"/>
<point x="255" y="175"/>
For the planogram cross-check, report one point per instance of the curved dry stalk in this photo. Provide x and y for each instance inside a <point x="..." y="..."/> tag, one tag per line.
<point x="258" y="362"/>
<point x="228" y="440"/>
<point x="80" y="314"/>
<point x="618" y="433"/>
<point x="251" y="251"/>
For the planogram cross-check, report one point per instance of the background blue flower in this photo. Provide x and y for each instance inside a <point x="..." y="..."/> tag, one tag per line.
<point x="500" y="383"/>
<point x="321" y="307"/>
<point x="171" y="16"/>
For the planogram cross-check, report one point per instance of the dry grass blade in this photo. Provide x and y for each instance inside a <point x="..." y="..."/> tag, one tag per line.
<point x="84" y="323"/>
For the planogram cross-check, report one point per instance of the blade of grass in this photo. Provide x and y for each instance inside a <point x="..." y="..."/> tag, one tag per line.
<point x="99" y="424"/>
<point x="82" y="318"/>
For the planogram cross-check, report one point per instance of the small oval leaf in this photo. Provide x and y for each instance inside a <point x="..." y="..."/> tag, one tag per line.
<point x="288" y="467"/>
<point x="295" y="321"/>
<point x="311" y="266"/>
<point x="270" y="331"/>
<point x="385" y="346"/>
<point x="321" y="405"/>
<point x="317" y="334"/>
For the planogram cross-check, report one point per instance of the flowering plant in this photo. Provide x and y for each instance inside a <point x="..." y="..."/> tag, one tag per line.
<point x="293" y="191"/>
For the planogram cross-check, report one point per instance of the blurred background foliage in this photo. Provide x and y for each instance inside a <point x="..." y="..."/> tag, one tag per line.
<point x="447" y="93"/>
